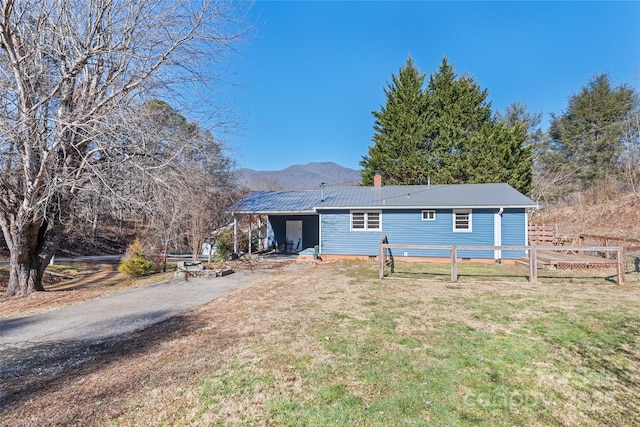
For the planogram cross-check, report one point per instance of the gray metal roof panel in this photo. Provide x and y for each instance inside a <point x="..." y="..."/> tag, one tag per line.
<point x="402" y="196"/>
<point x="277" y="201"/>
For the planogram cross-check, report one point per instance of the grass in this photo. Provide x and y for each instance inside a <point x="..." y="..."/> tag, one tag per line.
<point x="395" y="361"/>
<point x="471" y="271"/>
<point x="332" y="345"/>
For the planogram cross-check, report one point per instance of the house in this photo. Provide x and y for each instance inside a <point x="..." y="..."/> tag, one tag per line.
<point x="351" y="221"/>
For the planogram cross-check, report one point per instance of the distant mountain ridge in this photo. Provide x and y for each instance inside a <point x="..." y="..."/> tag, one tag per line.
<point x="298" y="177"/>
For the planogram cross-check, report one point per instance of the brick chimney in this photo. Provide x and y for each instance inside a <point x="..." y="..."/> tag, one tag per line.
<point x="377" y="180"/>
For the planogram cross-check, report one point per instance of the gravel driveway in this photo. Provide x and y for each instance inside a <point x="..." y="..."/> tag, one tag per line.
<point x="59" y="338"/>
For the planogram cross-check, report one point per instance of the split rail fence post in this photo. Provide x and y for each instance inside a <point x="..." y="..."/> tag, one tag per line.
<point x="581" y="243"/>
<point x="620" y="265"/>
<point x="533" y="265"/>
<point x="381" y="255"/>
<point x="454" y="264"/>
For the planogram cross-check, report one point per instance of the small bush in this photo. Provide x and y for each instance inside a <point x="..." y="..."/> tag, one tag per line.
<point x="135" y="263"/>
<point x="224" y="245"/>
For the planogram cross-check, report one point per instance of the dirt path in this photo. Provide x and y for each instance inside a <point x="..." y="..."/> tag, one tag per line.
<point x="88" y="281"/>
<point x="100" y="274"/>
<point x="51" y="342"/>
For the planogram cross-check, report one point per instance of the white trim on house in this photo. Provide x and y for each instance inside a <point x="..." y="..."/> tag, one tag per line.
<point x="379" y="207"/>
<point x="497" y="233"/>
<point x="459" y="223"/>
<point x="320" y="233"/>
<point x="431" y="215"/>
<point x="363" y="222"/>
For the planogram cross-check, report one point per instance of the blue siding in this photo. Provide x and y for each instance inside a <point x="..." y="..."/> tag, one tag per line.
<point x="404" y="227"/>
<point x="407" y="227"/>
<point x="338" y="239"/>
<point x="277" y="229"/>
<point x="513" y="232"/>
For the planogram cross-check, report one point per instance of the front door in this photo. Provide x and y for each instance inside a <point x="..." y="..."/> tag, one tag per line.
<point x="294" y="236"/>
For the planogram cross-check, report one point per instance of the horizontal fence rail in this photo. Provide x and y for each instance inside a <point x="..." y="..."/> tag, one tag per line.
<point x="533" y="255"/>
<point x="630" y="245"/>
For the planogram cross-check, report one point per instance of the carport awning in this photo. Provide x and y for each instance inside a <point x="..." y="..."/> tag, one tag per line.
<point x="278" y="203"/>
<point x="275" y="213"/>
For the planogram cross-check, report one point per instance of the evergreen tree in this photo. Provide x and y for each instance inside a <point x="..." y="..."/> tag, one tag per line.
<point x="588" y="137"/>
<point x="446" y="134"/>
<point x="457" y="113"/>
<point x="135" y="262"/>
<point x="399" y="151"/>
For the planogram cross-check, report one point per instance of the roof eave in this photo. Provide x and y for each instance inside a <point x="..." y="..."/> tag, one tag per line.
<point x="496" y="206"/>
<point x="305" y="212"/>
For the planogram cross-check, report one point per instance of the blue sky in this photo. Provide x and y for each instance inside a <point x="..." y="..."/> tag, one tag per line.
<point x="305" y="86"/>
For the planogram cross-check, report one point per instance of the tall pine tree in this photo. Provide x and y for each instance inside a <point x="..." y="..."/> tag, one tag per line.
<point x="588" y="137"/>
<point x="457" y="114"/>
<point x="445" y="134"/>
<point x="399" y="151"/>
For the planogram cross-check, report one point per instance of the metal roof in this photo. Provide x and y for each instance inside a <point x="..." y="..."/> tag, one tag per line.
<point x="386" y="197"/>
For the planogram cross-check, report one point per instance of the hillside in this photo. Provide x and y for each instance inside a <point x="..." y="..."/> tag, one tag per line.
<point x="613" y="215"/>
<point x="298" y="177"/>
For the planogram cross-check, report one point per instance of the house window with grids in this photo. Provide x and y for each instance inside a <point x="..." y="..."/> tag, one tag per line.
<point x="429" y="215"/>
<point x="366" y="221"/>
<point x="462" y="220"/>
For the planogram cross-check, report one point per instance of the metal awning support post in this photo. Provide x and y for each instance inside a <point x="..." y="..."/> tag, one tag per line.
<point x="260" y="245"/>
<point x="249" y="235"/>
<point x="235" y="235"/>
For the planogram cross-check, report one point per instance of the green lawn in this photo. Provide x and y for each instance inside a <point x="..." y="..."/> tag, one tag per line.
<point x="509" y="272"/>
<point x="357" y="350"/>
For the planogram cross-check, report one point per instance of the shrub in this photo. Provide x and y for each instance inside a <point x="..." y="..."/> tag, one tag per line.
<point x="135" y="263"/>
<point x="224" y="244"/>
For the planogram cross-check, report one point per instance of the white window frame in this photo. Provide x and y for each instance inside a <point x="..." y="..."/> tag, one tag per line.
<point x="469" y="221"/>
<point x="366" y="226"/>
<point x="431" y="215"/>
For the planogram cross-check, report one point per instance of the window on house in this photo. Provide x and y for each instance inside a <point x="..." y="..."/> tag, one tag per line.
<point x="462" y="220"/>
<point x="429" y="215"/>
<point x="365" y="220"/>
<point x="358" y="220"/>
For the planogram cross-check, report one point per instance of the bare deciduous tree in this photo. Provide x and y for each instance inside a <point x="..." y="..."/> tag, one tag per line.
<point x="630" y="158"/>
<point x="73" y="75"/>
<point x="550" y="183"/>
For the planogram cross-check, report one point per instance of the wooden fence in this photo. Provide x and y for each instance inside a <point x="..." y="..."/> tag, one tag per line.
<point x="630" y="245"/>
<point x="541" y="234"/>
<point x="533" y="252"/>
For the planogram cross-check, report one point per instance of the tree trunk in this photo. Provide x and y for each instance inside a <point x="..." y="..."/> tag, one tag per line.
<point x="94" y="225"/>
<point x="31" y="247"/>
<point x="25" y="277"/>
<point x="164" y="257"/>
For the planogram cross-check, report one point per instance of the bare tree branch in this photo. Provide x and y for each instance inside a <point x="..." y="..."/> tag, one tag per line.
<point x="74" y="77"/>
